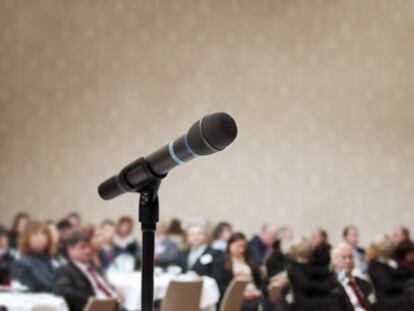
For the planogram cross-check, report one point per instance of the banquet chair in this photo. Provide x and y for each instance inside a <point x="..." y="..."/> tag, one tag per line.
<point x="182" y="296"/>
<point x="233" y="296"/>
<point x="274" y="293"/>
<point x="101" y="305"/>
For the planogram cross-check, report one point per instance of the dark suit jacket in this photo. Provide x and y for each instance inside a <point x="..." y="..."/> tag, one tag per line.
<point x="389" y="286"/>
<point x="276" y="263"/>
<point x="199" y="267"/>
<point x="35" y="272"/>
<point x="409" y="295"/>
<point x="5" y="265"/>
<point x="310" y="294"/>
<point x="257" y="250"/>
<point x="168" y="255"/>
<point x="341" y="301"/>
<point x="74" y="286"/>
<point x="105" y="259"/>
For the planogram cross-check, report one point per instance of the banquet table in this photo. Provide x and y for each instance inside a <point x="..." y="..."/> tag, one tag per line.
<point x="130" y="285"/>
<point x="31" y="302"/>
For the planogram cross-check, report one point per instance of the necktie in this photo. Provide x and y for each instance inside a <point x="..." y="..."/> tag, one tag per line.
<point x="358" y="294"/>
<point x="99" y="285"/>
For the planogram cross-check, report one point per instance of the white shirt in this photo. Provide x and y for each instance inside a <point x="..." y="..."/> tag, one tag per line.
<point x="351" y="295"/>
<point x="99" y="294"/>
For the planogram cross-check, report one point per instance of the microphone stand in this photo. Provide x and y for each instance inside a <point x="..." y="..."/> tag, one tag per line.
<point x="148" y="217"/>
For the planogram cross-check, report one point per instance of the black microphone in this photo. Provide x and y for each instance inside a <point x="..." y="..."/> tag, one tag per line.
<point x="212" y="133"/>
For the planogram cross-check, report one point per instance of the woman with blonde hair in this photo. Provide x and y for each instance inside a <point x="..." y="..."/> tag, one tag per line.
<point x="387" y="276"/>
<point x="34" y="268"/>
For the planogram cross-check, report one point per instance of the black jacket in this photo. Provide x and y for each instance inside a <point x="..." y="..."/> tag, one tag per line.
<point x="341" y="301"/>
<point x="204" y="263"/>
<point x="34" y="271"/>
<point x="310" y="294"/>
<point x="275" y="263"/>
<point x="257" y="250"/>
<point x="389" y="285"/>
<point x="6" y="261"/>
<point x="74" y="286"/>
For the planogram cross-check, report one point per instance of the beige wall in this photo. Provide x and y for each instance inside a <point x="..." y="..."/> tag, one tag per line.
<point x="322" y="92"/>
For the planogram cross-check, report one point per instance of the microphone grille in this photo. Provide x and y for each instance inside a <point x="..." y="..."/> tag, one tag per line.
<point x="217" y="131"/>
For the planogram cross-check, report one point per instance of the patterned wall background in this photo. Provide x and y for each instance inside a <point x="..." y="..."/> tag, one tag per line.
<point x="322" y="92"/>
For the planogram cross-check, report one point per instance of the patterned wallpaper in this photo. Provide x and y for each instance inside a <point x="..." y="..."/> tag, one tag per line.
<point x="322" y="92"/>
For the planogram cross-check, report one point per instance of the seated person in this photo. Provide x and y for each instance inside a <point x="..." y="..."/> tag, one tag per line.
<point x="352" y="292"/>
<point x="108" y="250"/>
<point x="221" y="234"/>
<point x="388" y="277"/>
<point x="6" y="257"/>
<point x="79" y="280"/>
<point x="124" y="240"/>
<point x="311" y="286"/>
<point x="199" y="257"/>
<point x="20" y="223"/>
<point x="34" y="268"/>
<point x="260" y="245"/>
<point x="234" y="263"/>
<point x="64" y="229"/>
<point x="321" y="249"/>
<point x="351" y="236"/>
<point x="166" y="251"/>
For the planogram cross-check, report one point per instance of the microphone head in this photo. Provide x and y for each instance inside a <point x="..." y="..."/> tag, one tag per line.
<point x="212" y="133"/>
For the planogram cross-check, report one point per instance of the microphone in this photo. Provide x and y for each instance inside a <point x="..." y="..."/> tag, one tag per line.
<point x="211" y="134"/>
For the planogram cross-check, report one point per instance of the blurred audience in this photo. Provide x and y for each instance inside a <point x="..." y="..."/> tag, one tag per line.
<point x="79" y="279"/>
<point x="221" y="234"/>
<point x="350" y="235"/>
<point x="34" y="268"/>
<point x="199" y="257"/>
<point x="74" y="219"/>
<point x="124" y="240"/>
<point x="260" y="245"/>
<point x="352" y="293"/>
<point x="6" y="257"/>
<point x="387" y="275"/>
<point x="20" y="223"/>
<point x="108" y="249"/>
<point x="235" y="263"/>
<point x="166" y="252"/>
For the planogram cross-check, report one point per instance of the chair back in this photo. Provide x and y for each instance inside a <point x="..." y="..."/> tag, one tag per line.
<point x="183" y="296"/>
<point x="233" y="296"/>
<point x="274" y="292"/>
<point x="42" y="308"/>
<point x="101" y="305"/>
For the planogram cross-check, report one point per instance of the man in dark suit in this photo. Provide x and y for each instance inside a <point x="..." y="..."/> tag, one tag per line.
<point x="79" y="280"/>
<point x="260" y="245"/>
<point x="199" y="257"/>
<point x="352" y="293"/>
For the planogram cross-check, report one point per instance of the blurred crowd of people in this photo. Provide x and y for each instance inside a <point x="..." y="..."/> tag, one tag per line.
<point x="70" y="259"/>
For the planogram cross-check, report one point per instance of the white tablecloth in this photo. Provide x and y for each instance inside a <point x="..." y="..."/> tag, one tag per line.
<point x="130" y="285"/>
<point x="26" y="302"/>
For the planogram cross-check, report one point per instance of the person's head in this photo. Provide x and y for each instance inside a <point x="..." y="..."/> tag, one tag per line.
<point x="107" y="231"/>
<point x="161" y="228"/>
<point x="381" y="248"/>
<point x="400" y="234"/>
<point x="4" y="239"/>
<point x="196" y="236"/>
<point x="79" y="246"/>
<point x="64" y="228"/>
<point x="222" y="231"/>
<point x="342" y="257"/>
<point x="124" y="226"/>
<point x="20" y="222"/>
<point x="404" y="252"/>
<point x="268" y="235"/>
<point x="351" y="235"/>
<point x="318" y="236"/>
<point x="237" y="245"/>
<point x="300" y="250"/>
<point x="74" y="219"/>
<point x="36" y="240"/>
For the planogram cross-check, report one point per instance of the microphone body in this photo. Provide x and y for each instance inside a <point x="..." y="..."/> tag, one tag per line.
<point x="212" y="133"/>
